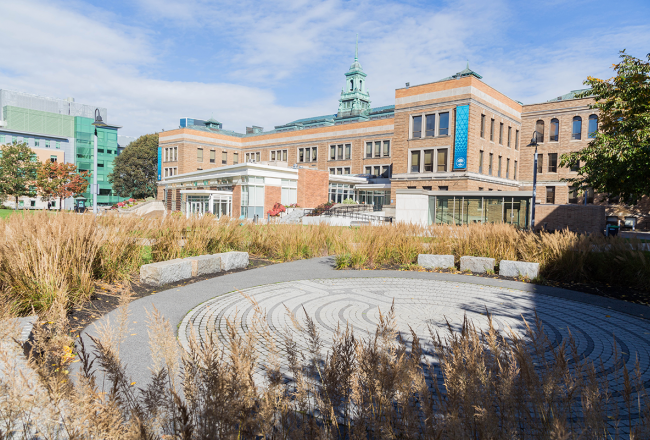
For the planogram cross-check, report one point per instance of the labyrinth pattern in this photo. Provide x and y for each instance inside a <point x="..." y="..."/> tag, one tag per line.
<point x="422" y="303"/>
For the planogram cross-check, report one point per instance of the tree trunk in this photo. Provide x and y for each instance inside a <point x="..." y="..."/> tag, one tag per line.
<point x="16" y="205"/>
<point x="60" y="207"/>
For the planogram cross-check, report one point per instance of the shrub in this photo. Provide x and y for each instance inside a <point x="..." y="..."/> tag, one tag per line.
<point x="349" y="201"/>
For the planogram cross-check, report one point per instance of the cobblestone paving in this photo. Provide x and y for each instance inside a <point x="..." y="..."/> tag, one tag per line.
<point x="419" y="303"/>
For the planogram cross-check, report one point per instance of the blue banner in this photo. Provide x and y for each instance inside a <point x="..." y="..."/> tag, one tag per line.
<point x="159" y="163"/>
<point x="460" y="135"/>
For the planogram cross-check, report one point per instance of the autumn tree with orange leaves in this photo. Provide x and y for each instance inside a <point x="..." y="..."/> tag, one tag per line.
<point x="56" y="180"/>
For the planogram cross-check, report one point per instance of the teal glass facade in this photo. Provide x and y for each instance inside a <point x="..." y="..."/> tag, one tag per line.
<point x="106" y="153"/>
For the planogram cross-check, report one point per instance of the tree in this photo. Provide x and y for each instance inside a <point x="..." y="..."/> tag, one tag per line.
<point x="18" y="167"/>
<point x="135" y="171"/>
<point x="60" y="180"/>
<point x="617" y="160"/>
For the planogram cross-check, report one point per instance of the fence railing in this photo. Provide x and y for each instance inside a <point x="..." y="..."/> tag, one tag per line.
<point x="353" y="212"/>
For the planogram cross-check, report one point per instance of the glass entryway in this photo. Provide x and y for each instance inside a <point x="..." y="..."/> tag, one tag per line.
<point x="463" y="210"/>
<point x="201" y="202"/>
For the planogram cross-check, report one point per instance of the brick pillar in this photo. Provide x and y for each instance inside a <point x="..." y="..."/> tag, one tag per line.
<point x="313" y="186"/>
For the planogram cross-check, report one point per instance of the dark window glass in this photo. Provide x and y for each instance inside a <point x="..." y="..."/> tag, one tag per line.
<point x="550" y="194"/>
<point x="443" y="128"/>
<point x="348" y="149"/>
<point x="540" y="162"/>
<point x="480" y="162"/>
<point x="509" y="135"/>
<point x="431" y="125"/>
<point x="301" y="155"/>
<point x="507" y="168"/>
<point x="575" y="166"/>
<point x="514" y="174"/>
<point x="224" y="158"/>
<point x="386" y="148"/>
<point x="368" y="149"/>
<point x="483" y="126"/>
<point x="593" y="126"/>
<point x="555" y="130"/>
<point x="516" y="139"/>
<point x="417" y="126"/>
<point x="378" y="149"/>
<point x="340" y="151"/>
<point x="332" y="152"/>
<point x="415" y="161"/>
<point x="491" y="129"/>
<point x="490" y="164"/>
<point x="576" y="132"/>
<point x="552" y="162"/>
<point x="499" y="167"/>
<point x="501" y="133"/>
<point x="539" y="128"/>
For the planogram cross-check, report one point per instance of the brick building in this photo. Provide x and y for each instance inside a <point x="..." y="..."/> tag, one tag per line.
<point x="454" y="141"/>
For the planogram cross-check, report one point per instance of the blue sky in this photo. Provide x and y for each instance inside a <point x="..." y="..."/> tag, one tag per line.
<point x="266" y="63"/>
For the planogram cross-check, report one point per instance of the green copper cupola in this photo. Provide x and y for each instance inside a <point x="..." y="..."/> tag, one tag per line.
<point x="355" y="99"/>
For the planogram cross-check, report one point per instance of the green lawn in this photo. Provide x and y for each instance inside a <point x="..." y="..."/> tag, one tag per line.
<point x="4" y="213"/>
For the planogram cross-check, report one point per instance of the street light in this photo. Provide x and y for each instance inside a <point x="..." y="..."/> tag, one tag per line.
<point x="95" y="187"/>
<point x="533" y="143"/>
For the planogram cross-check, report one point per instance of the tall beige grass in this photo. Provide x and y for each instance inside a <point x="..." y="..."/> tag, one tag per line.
<point x="48" y="258"/>
<point x="493" y="386"/>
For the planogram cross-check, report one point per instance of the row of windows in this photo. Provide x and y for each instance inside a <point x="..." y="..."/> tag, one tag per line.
<point x="37" y="142"/>
<point x="576" y="129"/>
<point x="551" y="163"/>
<point x="499" y="173"/>
<point x="501" y="132"/>
<point x="307" y="154"/>
<point x="339" y="170"/>
<point x="428" y="160"/>
<point x="435" y="124"/>
<point x="280" y="155"/>
<point x="171" y="154"/>
<point x="170" y="171"/>
<point x="381" y="149"/>
<point x="213" y="156"/>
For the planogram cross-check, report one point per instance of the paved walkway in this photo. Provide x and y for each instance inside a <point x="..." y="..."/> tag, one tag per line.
<point x="421" y="299"/>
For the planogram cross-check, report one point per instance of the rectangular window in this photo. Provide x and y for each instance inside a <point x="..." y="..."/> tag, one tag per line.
<point x="377" y="148"/>
<point x="483" y="126"/>
<point x="431" y="125"/>
<point x="332" y="170"/>
<point x="235" y="158"/>
<point x="199" y="154"/>
<point x="516" y="139"/>
<point x="272" y="155"/>
<point x="213" y="155"/>
<point x="368" y="170"/>
<point x="224" y="157"/>
<point x="377" y="171"/>
<point x="14" y="140"/>
<point x="514" y="171"/>
<point x="443" y="127"/>
<point x="490" y="164"/>
<point x="501" y="133"/>
<point x="346" y="170"/>
<point x="314" y="153"/>
<point x="442" y="160"/>
<point x="339" y="150"/>
<point x="36" y="142"/>
<point x="508" y="168"/>
<point x="175" y="154"/>
<point x="417" y="127"/>
<point x="348" y="152"/>
<point x="509" y="135"/>
<point x="480" y="162"/>
<point x="308" y="155"/>
<point x="415" y="161"/>
<point x="550" y="194"/>
<point x="428" y="161"/>
<point x="47" y="144"/>
<point x="540" y="162"/>
<point x="258" y="156"/>
<point x="301" y="155"/>
<point x="332" y="152"/>
<point x="552" y="162"/>
<point x="58" y="145"/>
<point x="492" y="129"/>
<point x="499" y="167"/>
<point x="2" y="138"/>
<point x="386" y="148"/>
<point x="575" y="167"/>
<point x="53" y="158"/>
<point x="385" y="171"/>
<point x="368" y="149"/>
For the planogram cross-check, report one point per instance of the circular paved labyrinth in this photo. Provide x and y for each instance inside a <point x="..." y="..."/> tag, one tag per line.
<point x="419" y="304"/>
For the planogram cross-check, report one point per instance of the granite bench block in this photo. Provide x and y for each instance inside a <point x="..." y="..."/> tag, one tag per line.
<point x="430" y="261"/>
<point x="205" y="264"/>
<point x="476" y="264"/>
<point x="166" y="272"/>
<point x="233" y="260"/>
<point x="518" y="268"/>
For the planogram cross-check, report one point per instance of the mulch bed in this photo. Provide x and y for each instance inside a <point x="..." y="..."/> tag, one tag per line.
<point x="107" y="296"/>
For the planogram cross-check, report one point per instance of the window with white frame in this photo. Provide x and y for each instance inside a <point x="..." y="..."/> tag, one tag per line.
<point x="252" y="196"/>
<point x="253" y="157"/>
<point x="376" y="149"/>
<point x="340" y="152"/>
<point x="430" y="124"/>
<point x="378" y="170"/>
<point x="429" y="160"/>
<point x="279" y="155"/>
<point x="289" y="192"/>
<point x="307" y="154"/>
<point x="171" y="171"/>
<point x="339" y="170"/>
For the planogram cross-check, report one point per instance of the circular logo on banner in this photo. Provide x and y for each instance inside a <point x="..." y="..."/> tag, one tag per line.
<point x="460" y="162"/>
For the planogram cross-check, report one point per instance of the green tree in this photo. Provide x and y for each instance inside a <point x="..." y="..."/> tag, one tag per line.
<point x="617" y="160"/>
<point x="135" y="171"/>
<point x="18" y="166"/>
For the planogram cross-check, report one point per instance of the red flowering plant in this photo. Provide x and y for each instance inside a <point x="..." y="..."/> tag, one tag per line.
<point x="277" y="209"/>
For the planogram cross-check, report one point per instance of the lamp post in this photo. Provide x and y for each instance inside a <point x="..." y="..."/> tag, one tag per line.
<point x="533" y="143"/>
<point x="95" y="186"/>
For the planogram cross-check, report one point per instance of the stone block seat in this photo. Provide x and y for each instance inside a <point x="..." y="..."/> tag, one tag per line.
<point x="509" y="268"/>
<point x="477" y="264"/>
<point x="166" y="272"/>
<point x="430" y="261"/>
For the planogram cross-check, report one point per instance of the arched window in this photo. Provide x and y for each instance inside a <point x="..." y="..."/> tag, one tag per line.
<point x="555" y="130"/>
<point x="593" y="126"/>
<point x="539" y="128"/>
<point x="351" y="84"/>
<point x="576" y="132"/>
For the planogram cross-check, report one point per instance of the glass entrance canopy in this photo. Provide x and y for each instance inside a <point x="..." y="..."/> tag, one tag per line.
<point x="201" y="202"/>
<point x="480" y="207"/>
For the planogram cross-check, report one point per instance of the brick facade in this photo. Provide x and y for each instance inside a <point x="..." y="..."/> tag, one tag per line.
<point x="272" y="195"/>
<point x="578" y="218"/>
<point x="312" y="188"/>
